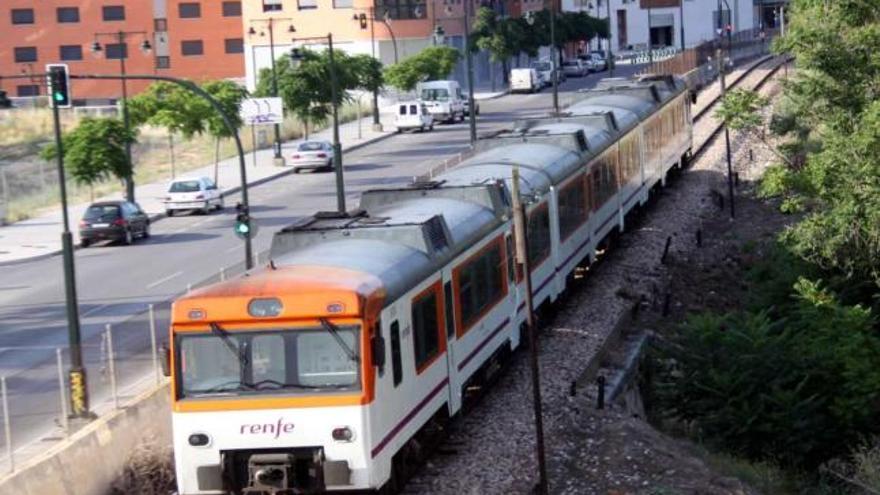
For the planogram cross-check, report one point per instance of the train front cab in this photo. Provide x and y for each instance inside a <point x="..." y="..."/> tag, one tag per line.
<point x="272" y="375"/>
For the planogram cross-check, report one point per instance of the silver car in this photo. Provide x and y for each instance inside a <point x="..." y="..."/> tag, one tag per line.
<point x="575" y="68"/>
<point x="312" y="155"/>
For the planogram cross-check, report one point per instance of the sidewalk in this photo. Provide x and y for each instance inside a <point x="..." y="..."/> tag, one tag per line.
<point x="41" y="236"/>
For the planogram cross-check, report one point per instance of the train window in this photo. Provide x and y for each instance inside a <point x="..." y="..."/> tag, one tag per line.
<point x="427" y="332"/>
<point x="396" y="365"/>
<point x="539" y="235"/>
<point x="572" y="207"/>
<point x="480" y="283"/>
<point x="447" y="299"/>
<point x="511" y="258"/>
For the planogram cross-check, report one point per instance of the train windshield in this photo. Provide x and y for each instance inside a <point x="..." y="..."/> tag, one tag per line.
<point x="300" y="361"/>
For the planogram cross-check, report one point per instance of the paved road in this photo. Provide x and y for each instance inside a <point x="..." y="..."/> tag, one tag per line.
<point x="117" y="282"/>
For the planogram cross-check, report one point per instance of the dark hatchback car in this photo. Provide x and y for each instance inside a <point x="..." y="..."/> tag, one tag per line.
<point x="113" y="221"/>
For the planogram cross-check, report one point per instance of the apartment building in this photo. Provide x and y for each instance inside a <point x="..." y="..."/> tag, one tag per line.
<point x="197" y="40"/>
<point x="636" y="23"/>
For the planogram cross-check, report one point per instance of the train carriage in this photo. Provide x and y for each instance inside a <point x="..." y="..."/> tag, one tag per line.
<point x="321" y="371"/>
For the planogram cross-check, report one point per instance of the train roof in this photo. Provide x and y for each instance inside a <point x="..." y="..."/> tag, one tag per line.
<point x="541" y="165"/>
<point x="403" y="241"/>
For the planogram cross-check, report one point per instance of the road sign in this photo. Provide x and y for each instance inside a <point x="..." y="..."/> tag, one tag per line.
<point x="262" y="111"/>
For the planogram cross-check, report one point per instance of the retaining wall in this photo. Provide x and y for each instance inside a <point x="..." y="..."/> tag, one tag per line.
<point x="94" y="456"/>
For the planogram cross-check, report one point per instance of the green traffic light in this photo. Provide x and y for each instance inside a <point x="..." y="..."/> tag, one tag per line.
<point x="58" y="96"/>
<point x="242" y="228"/>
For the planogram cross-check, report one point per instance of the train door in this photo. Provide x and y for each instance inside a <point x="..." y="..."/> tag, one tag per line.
<point x="514" y="294"/>
<point x="449" y="317"/>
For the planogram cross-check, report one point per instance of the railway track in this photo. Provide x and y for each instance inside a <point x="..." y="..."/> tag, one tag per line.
<point x="450" y="464"/>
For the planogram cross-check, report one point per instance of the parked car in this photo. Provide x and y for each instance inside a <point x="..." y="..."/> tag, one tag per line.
<point x="413" y="115"/>
<point x="575" y="68"/>
<point x="5" y="102"/>
<point x="600" y="61"/>
<point x="525" y="80"/>
<point x="467" y="107"/>
<point x="311" y="155"/>
<point x="443" y="99"/>
<point x="113" y="221"/>
<point x="545" y="72"/>
<point x="192" y="194"/>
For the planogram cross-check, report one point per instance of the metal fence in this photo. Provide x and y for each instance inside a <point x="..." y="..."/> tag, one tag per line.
<point x="122" y="359"/>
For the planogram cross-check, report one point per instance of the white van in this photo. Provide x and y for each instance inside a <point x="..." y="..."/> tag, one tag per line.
<point x="413" y="115"/>
<point x="443" y="99"/>
<point x="524" y="80"/>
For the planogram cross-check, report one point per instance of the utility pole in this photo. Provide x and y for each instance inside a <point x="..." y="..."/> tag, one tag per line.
<point x="554" y="57"/>
<point x="650" y="43"/>
<point x="469" y="58"/>
<point x="520" y="234"/>
<point x="721" y="70"/>
<point x="681" y="19"/>
<point x="608" y="53"/>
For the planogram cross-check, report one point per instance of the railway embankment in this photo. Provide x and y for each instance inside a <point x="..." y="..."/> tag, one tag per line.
<point x="592" y="451"/>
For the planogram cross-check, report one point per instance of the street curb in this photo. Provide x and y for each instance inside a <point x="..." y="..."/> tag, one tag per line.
<point x="227" y="192"/>
<point x="495" y="97"/>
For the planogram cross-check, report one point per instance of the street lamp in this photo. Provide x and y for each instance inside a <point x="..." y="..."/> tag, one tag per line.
<point x="439" y="35"/>
<point x="469" y="63"/>
<point x="530" y="19"/>
<point x="279" y="159"/>
<point x="145" y="48"/>
<point x="296" y="56"/>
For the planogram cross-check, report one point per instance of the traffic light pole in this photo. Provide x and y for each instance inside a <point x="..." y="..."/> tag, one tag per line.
<point x="188" y="85"/>
<point x="79" y="394"/>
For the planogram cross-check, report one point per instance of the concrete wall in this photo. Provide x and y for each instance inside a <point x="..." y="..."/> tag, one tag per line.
<point x="94" y="456"/>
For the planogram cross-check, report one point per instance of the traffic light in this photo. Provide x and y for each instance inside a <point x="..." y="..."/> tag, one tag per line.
<point x="59" y="85"/>
<point x="244" y="227"/>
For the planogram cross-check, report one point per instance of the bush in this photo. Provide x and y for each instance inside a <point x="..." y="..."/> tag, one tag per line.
<point x="797" y="390"/>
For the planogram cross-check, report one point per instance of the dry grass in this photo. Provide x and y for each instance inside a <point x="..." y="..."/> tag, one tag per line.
<point x="24" y="131"/>
<point x="149" y="471"/>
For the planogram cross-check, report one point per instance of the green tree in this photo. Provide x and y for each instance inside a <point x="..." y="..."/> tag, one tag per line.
<point x="305" y="86"/>
<point x="229" y="95"/>
<point x="434" y="62"/>
<point x="94" y="151"/>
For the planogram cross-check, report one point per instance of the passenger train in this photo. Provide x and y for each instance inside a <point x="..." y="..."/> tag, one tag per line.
<point x="320" y="371"/>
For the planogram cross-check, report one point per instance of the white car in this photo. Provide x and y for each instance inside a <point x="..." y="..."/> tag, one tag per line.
<point x="443" y="99"/>
<point x="192" y="194"/>
<point x="525" y="80"/>
<point x="545" y="72"/>
<point x="600" y="62"/>
<point x="312" y="155"/>
<point x="413" y="115"/>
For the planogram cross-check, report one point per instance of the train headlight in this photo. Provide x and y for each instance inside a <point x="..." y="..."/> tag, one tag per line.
<point x="199" y="440"/>
<point x="343" y="434"/>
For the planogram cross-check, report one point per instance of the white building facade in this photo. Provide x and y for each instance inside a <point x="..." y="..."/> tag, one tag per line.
<point x="635" y="23"/>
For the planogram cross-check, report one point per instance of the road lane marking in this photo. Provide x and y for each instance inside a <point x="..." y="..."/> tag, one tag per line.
<point x="163" y="280"/>
<point x="94" y="310"/>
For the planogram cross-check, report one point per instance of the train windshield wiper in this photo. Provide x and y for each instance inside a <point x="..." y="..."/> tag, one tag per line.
<point x="331" y="328"/>
<point x="234" y="349"/>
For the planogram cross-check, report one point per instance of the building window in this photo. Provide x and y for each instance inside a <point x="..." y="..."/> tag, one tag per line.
<point x="234" y="45"/>
<point x="306" y="4"/>
<point x="116" y="51"/>
<point x="71" y="52"/>
<point x="231" y="9"/>
<point x="343" y="4"/>
<point x="26" y="90"/>
<point x="401" y="9"/>
<point x="113" y="12"/>
<point x="189" y="10"/>
<point x="22" y="16"/>
<point x="163" y="62"/>
<point x="160" y="24"/>
<point x="272" y="5"/>
<point x="427" y="336"/>
<point x="25" y="54"/>
<point x="192" y="48"/>
<point x="67" y="14"/>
